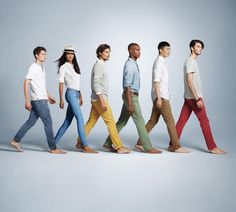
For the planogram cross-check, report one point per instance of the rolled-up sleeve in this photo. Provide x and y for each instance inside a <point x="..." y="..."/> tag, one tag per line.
<point x="97" y="79"/>
<point x="30" y="74"/>
<point x="128" y="75"/>
<point x="190" y="68"/>
<point x="61" y="75"/>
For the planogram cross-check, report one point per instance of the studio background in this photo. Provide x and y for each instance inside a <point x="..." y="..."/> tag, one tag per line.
<point x="86" y="24"/>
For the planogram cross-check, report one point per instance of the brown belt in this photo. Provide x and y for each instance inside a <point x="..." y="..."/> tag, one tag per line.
<point x="132" y="93"/>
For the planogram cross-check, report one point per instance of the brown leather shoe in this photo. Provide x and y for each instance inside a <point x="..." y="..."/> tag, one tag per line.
<point x="153" y="151"/>
<point x="87" y="149"/>
<point x="57" y="151"/>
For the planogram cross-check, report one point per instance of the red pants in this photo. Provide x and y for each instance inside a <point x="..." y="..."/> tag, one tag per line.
<point x="189" y="106"/>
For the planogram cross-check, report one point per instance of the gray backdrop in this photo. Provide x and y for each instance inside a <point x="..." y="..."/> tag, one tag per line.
<point x="85" y="25"/>
<point x="54" y="24"/>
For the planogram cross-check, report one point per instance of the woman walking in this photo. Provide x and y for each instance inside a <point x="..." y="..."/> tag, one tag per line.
<point x="69" y="74"/>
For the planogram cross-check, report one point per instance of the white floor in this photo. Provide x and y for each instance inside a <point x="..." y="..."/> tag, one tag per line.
<point x="36" y="181"/>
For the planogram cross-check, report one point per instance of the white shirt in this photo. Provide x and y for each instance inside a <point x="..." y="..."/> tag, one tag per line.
<point x="160" y="74"/>
<point x="68" y="76"/>
<point x="36" y="74"/>
<point x="191" y="66"/>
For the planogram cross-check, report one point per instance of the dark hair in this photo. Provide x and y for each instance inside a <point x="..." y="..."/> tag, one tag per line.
<point x="37" y="50"/>
<point x="62" y="61"/>
<point x="101" y="48"/>
<point x="193" y="43"/>
<point x="131" y="45"/>
<point x="162" y="44"/>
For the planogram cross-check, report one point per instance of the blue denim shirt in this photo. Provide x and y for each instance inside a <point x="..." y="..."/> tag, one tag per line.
<point x="131" y="75"/>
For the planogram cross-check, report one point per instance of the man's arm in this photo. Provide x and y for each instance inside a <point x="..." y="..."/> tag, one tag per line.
<point x="51" y="99"/>
<point x="97" y="80"/>
<point x="26" y="94"/>
<point x="102" y="102"/>
<point x="128" y="97"/>
<point x="158" y="94"/>
<point x="198" y="100"/>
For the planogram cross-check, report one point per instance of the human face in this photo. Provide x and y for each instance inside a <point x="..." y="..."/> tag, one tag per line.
<point x="105" y="55"/>
<point x="41" y="57"/>
<point x="69" y="57"/>
<point x="135" y="52"/>
<point x="197" y="49"/>
<point x="165" y="52"/>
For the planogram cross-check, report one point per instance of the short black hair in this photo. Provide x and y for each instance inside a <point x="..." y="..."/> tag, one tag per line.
<point x="193" y="43"/>
<point x="38" y="49"/>
<point x="130" y="46"/>
<point x="162" y="44"/>
<point x="101" y="48"/>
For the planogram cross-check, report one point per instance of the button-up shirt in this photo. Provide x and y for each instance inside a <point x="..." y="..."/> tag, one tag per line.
<point x="131" y="75"/>
<point x="68" y="76"/>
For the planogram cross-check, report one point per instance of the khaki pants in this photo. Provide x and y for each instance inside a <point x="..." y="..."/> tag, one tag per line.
<point x="166" y="113"/>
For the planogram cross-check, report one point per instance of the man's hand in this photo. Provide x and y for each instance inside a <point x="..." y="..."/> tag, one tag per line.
<point x="61" y="104"/>
<point x="130" y="109"/>
<point x="104" y="106"/>
<point x="28" y="105"/>
<point x="51" y="100"/>
<point x="159" y="103"/>
<point x="200" y="104"/>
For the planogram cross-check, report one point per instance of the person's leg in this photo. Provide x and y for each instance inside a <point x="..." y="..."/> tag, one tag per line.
<point x="140" y="125"/>
<point x="107" y="116"/>
<point x="167" y="115"/>
<point x="155" y="115"/>
<point x="43" y="112"/>
<point x="93" y="117"/>
<point x="205" y="126"/>
<point x="65" y="125"/>
<point x="72" y="99"/>
<point x="33" y="117"/>
<point x="122" y="121"/>
<point x="183" y="118"/>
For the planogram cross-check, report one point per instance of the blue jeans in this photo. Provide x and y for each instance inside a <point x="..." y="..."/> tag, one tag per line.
<point x="40" y="110"/>
<point x="73" y="109"/>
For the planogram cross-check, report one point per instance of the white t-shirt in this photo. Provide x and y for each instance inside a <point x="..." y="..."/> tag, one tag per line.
<point x="190" y="66"/>
<point x="68" y="76"/>
<point x="160" y="74"/>
<point x="37" y="75"/>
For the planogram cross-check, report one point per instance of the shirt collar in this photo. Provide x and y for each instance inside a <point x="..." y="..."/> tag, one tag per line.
<point x="69" y="64"/>
<point x="101" y="61"/>
<point x="162" y="59"/>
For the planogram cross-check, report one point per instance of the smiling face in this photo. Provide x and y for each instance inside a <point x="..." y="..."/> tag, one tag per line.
<point x="69" y="57"/>
<point x="105" y="54"/>
<point x="197" y="49"/>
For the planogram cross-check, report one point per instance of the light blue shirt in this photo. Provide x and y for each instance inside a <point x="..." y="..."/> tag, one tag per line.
<point x="131" y="75"/>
